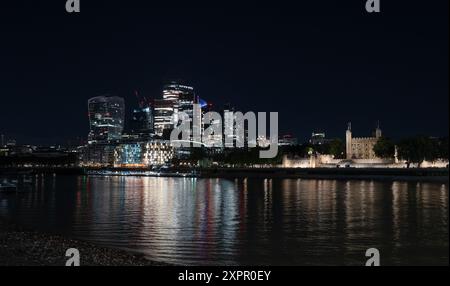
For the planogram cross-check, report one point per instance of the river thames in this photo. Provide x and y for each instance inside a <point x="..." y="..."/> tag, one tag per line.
<point x="193" y="221"/>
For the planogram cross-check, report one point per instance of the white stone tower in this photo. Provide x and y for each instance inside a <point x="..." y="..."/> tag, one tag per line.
<point x="348" y="141"/>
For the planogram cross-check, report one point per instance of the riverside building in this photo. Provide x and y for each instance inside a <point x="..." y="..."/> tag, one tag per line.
<point x="361" y="147"/>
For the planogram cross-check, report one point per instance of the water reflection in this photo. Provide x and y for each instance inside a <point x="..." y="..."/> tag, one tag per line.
<point x="243" y="221"/>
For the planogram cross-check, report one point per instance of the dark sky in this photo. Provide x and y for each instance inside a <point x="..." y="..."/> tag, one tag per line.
<point x="319" y="65"/>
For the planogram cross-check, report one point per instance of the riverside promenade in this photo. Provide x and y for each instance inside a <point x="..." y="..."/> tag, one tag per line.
<point x="392" y="174"/>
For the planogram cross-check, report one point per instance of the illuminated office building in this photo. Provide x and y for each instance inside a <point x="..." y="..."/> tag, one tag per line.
<point x="143" y="154"/>
<point x="98" y="155"/>
<point x="318" y="138"/>
<point x="287" y="140"/>
<point x="229" y="134"/>
<point x="106" y="118"/>
<point x="176" y="98"/>
<point x="163" y="118"/>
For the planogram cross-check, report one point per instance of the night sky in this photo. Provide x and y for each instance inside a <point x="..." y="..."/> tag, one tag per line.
<point x="319" y="65"/>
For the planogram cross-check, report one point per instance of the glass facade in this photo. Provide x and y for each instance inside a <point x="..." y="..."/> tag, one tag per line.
<point x="106" y="118"/>
<point x="142" y="122"/>
<point x="176" y="98"/>
<point x="143" y="154"/>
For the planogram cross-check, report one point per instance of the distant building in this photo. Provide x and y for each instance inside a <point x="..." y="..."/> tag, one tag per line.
<point x="211" y="139"/>
<point x="98" y="155"/>
<point x="142" y="122"/>
<point x="214" y="139"/>
<point x="163" y="115"/>
<point x="229" y="126"/>
<point x="318" y="138"/>
<point x="361" y="147"/>
<point x="287" y="140"/>
<point x="137" y="154"/>
<point x="11" y="142"/>
<point x="263" y="141"/>
<point x="176" y="98"/>
<point x="143" y="154"/>
<point x="106" y="118"/>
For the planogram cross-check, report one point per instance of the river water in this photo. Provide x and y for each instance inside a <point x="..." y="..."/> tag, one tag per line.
<point x="193" y="221"/>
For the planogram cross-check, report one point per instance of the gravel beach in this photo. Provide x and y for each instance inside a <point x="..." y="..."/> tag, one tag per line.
<point x="20" y="247"/>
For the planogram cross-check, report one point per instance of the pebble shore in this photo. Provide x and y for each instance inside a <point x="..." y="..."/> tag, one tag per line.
<point x="19" y="247"/>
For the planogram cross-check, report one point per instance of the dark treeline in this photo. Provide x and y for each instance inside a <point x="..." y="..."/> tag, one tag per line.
<point x="413" y="149"/>
<point x="335" y="147"/>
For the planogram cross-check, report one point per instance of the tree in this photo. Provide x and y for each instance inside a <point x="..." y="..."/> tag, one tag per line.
<point x="384" y="148"/>
<point x="416" y="150"/>
<point x="336" y="148"/>
<point x="197" y="154"/>
<point x="443" y="148"/>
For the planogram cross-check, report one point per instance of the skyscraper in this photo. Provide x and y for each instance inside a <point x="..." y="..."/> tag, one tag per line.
<point x="106" y="118"/>
<point x="176" y="98"/>
<point x="142" y="121"/>
<point x="228" y="116"/>
<point x="163" y="119"/>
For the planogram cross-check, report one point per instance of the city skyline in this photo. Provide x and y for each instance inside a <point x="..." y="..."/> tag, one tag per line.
<point x="335" y="65"/>
<point x="131" y="109"/>
<point x="247" y="138"/>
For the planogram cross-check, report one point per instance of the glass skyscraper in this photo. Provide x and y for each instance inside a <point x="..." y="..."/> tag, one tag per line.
<point x="106" y="118"/>
<point x="176" y="98"/>
<point x="142" y="122"/>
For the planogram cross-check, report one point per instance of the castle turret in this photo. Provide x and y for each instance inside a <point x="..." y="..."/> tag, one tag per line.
<point x="378" y="130"/>
<point x="395" y="154"/>
<point x="348" y="141"/>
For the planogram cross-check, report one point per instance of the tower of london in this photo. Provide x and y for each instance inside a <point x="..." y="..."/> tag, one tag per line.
<point x="361" y="147"/>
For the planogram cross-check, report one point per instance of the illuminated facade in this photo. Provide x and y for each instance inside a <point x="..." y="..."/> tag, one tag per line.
<point x="287" y="140"/>
<point x="98" y="155"/>
<point x="143" y="154"/>
<point x="229" y="135"/>
<point x="106" y="118"/>
<point x="361" y="147"/>
<point x="163" y="115"/>
<point x="158" y="152"/>
<point x="318" y="138"/>
<point x="214" y="139"/>
<point x="129" y="155"/>
<point x="263" y="141"/>
<point x="176" y="98"/>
